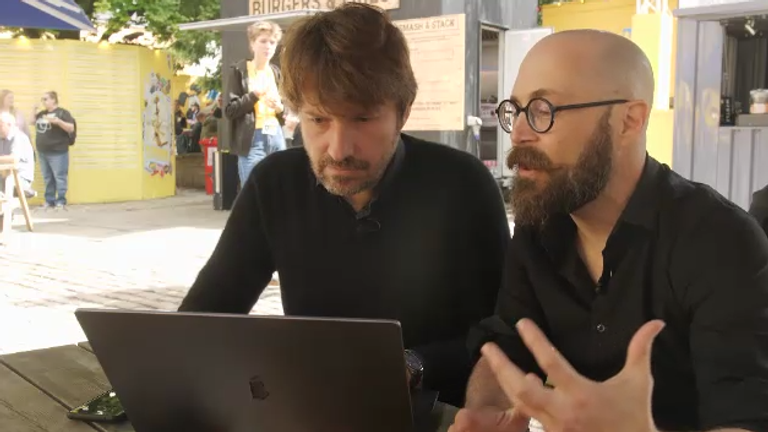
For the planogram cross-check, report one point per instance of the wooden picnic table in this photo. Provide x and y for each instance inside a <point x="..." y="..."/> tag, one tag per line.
<point x="37" y="388"/>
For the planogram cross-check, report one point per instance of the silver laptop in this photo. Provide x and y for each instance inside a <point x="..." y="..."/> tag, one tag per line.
<point x="244" y="373"/>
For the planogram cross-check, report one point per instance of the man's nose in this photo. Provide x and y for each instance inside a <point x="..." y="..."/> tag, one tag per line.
<point x="521" y="130"/>
<point x="341" y="144"/>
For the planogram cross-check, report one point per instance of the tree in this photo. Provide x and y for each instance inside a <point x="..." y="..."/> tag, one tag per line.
<point x="161" y="18"/>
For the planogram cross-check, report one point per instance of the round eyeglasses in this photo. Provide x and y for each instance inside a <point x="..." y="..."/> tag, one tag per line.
<point x="540" y="113"/>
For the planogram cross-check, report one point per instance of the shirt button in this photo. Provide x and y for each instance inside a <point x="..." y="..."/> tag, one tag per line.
<point x="600" y="328"/>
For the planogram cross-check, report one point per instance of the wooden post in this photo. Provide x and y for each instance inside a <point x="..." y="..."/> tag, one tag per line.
<point x="10" y="171"/>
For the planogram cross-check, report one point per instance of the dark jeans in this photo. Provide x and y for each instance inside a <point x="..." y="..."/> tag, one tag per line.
<point x="55" y="169"/>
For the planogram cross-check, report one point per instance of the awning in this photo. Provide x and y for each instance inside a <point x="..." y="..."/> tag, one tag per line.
<point x="44" y="14"/>
<point x="719" y="12"/>
<point x="283" y="19"/>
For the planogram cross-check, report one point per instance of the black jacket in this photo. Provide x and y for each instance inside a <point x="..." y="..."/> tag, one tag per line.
<point x="759" y="207"/>
<point x="238" y="108"/>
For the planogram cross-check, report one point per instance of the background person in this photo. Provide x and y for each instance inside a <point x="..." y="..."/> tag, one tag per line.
<point x="254" y="106"/>
<point x="55" y="133"/>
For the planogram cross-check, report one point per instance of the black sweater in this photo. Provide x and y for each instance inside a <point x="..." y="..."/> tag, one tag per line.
<point x="429" y="253"/>
<point x="759" y="207"/>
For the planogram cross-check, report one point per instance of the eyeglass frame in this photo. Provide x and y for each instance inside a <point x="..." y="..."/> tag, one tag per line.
<point x="553" y="110"/>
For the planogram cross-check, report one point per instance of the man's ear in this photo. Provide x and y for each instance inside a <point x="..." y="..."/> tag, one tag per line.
<point x="406" y="115"/>
<point x="636" y="117"/>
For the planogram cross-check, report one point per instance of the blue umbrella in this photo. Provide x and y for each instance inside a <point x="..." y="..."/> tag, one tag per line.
<point x="44" y="14"/>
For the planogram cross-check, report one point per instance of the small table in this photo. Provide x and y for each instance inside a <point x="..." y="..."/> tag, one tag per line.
<point x="37" y="388"/>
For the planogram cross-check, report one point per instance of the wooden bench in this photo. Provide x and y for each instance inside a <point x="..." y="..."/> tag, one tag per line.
<point x="8" y="203"/>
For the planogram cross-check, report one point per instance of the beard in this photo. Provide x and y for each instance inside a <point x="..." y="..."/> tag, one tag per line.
<point x="367" y="175"/>
<point x="569" y="187"/>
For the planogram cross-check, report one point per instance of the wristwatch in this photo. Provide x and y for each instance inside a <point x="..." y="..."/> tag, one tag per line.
<point x="415" y="368"/>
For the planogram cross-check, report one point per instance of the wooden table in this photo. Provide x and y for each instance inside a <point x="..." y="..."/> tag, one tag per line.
<point x="37" y="388"/>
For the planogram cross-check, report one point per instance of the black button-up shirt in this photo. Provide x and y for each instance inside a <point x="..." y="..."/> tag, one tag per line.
<point x="680" y="252"/>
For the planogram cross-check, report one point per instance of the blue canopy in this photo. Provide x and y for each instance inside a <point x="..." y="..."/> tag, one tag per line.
<point x="44" y="14"/>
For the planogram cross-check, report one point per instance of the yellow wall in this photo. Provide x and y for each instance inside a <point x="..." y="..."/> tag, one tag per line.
<point x="101" y="86"/>
<point x="614" y="16"/>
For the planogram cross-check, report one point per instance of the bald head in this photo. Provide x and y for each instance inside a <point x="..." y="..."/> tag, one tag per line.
<point x="605" y="63"/>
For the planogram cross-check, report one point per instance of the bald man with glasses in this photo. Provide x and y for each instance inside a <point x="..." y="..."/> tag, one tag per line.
<point x="633" y="299"/>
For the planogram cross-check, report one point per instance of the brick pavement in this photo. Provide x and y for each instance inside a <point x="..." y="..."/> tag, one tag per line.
<point x="140" y="255"/>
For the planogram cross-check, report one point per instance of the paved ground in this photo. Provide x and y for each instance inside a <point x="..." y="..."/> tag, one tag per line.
<point x="141" y="255"/>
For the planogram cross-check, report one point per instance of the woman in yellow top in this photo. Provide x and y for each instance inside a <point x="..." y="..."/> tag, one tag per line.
<point x="254" y="107"/>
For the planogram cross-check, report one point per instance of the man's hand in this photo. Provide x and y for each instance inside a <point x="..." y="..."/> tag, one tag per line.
<point x="577" y="403"/>
<point x="490" y="420"/>
<point x="273" y="103"/>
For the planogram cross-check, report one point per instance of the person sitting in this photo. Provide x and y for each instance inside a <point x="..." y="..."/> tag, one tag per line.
<point x="364" y="221"/>
<point x="13" y="142"/>
<point x="613" y="253"/>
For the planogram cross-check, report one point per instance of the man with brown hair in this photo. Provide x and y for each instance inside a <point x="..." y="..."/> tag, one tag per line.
<point x="364" y="221"/>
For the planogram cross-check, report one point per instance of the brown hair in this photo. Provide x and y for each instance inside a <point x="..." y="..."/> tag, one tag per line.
<point x="53" y="95"/>
<point x="351" y="55"/>
<point x="261" y="27"/>
<point x="3" y="94"/>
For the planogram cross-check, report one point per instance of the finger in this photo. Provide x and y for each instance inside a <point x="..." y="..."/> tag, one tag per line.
<point x="557" y="368"/>
<point x="536" y="401"/>
<point x="519" y="388"/>
<point x="639" y="351"/>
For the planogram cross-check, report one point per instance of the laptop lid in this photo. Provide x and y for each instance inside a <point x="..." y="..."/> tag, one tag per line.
<point x="245" y="373"/>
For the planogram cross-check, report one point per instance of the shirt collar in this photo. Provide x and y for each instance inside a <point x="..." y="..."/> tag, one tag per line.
<point x="641" y="210"/>
<point x="643" y="204"/>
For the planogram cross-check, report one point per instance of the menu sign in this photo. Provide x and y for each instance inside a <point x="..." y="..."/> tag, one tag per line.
<point x="437" y="58"/>
<point x="259" y="7"/>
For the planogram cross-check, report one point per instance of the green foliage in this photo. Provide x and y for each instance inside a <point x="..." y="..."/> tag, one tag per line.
<point x="161" y="18"/>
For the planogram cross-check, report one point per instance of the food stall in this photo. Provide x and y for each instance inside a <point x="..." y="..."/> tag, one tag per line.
<point x="721" y="101"/>
<point x="465" y="54"/>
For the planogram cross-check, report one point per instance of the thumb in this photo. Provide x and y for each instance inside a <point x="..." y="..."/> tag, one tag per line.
<point x="490" y="420"/>
<point x="639" y="351"/>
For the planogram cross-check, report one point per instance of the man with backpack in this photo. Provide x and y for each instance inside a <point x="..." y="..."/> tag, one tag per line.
<point x="56" y="131"/>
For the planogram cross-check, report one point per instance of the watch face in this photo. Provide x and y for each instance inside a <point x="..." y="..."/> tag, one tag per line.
<point x="413" y="362"/>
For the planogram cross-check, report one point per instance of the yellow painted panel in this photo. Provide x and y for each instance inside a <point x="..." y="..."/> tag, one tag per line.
<point x="156" y="102"/>
<point x="101" y="85"/>
<point x="614" y="16"/>
<point x="660" y="129"/>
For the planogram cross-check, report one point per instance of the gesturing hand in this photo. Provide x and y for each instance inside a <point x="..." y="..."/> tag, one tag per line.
<point x="577" y="404"/>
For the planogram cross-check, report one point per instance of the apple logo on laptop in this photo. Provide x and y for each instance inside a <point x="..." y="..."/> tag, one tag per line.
<point x="258" y="389"/>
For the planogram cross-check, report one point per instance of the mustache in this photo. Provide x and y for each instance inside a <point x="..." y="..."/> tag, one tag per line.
<point x="530" y="158"/>
<point x="348" y="163"/>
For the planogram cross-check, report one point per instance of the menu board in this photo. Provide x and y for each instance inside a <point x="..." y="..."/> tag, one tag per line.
<point x="437" y="57"/>
<point x="258" y="7"/>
